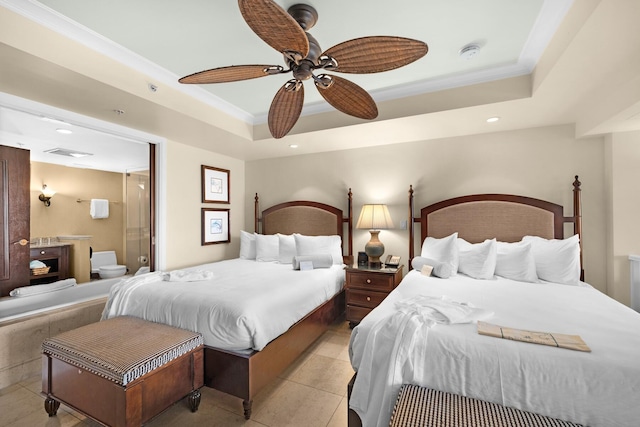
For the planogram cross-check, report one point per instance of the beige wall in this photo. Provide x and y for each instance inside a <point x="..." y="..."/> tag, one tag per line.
<point x="623" y="206"/>
<point x="67" y="217"/>
<point x="537" y="162"/>
<point x="184" y="196"/>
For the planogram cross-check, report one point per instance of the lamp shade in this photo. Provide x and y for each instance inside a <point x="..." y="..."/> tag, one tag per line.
<point x="374" y="217"/>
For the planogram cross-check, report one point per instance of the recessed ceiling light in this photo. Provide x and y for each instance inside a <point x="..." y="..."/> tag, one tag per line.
<point x="293" y="146"/>
<point x="64" y="131"/>
<point x="493" y="119"/>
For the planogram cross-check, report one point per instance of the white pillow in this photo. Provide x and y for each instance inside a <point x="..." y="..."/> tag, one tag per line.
<point x="477" y="260"/>
<point x="556" y="260"/>
<point x="515" y="261"/>
<point x="247" y="245"/>
<point x="267" y="247"/>
<point x="316" y="245"/>
<point x="286" y="248"/>
<point x="442" y="250"/>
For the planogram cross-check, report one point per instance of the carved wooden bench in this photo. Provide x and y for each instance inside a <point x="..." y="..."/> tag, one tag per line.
<point x="122" y="371"/>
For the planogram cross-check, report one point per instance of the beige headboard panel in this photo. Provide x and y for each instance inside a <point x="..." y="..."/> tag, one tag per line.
<point x="303" y="219"/>
<point x="476" y="221"/>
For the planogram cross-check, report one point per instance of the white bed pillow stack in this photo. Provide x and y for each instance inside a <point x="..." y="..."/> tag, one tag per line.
<point x="477" y="260"/>
<point x="556" y="260"/>
<point x="442" y="250"/>
<point x="316" y="245"/>
<point x="247" y="245"/>
<point x="515" y="261"/>
<point x="283" y="248"/>
<point x="531" y="259"/>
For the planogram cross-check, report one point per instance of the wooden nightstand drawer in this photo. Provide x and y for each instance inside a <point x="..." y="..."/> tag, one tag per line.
<point x="355" y="314"/>
<point x="375" y="281"/>
<point x="364" y="298"/>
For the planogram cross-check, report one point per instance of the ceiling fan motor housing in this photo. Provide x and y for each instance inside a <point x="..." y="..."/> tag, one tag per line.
<point x="304" y="14"/>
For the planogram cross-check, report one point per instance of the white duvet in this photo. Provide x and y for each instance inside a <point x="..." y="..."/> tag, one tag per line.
<point x="600" y="388"/>
<point x="244" y="306"/>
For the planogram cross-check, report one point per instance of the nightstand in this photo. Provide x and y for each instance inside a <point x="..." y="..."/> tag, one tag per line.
<point x="367" y="287"/>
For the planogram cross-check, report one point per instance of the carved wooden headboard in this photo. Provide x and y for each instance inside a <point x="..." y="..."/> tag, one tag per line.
<point x="308" y="218"/>
<point x="508" y="218"/>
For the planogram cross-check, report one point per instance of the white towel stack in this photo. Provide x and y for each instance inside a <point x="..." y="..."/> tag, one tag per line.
<point x="99" y="208"/>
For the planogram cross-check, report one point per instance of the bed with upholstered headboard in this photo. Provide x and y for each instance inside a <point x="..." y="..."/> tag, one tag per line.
<point x="251" y="310"/>
<point x="505" y="217"/>
<point x="427" y="331"/>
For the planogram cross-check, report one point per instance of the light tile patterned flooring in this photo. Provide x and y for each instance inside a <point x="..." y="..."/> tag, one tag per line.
<point x="311" y="392"/>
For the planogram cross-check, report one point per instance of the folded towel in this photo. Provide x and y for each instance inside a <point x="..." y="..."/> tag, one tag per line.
<point x="41" y="289"/>
<point x="36" y="264"/>
<point x="187" y="275"/>
<point x="99" y="208"/>
<point x="440" y="269"/>
<point x="318" y="261"/>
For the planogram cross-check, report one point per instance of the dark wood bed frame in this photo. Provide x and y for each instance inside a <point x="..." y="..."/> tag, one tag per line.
<point x="244" y="375"/>
<point x="478" y="217"/>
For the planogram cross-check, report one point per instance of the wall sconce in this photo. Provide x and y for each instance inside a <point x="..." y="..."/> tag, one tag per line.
<point x="375" y="218"/>
<point x="46" y="195"/>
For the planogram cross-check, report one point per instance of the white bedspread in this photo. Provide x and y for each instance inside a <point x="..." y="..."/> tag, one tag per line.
<point x="601" y="388"/>
<point x="244" y="306"/>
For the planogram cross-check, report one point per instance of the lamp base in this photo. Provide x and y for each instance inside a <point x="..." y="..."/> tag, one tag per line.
<point x="374" y="249"/>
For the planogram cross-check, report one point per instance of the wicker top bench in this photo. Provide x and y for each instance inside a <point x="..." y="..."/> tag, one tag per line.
<point x="422" y="407"/>
<point x="122" y="349"/>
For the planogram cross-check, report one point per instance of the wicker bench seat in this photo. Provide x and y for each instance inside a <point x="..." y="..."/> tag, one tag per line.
<point x="122" y="371"/>
<point x="422" y="407"/>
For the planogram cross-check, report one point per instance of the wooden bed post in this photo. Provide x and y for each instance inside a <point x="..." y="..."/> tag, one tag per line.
<point x="256" y="214"/>
<point x="411" y="242"/>
<point x="577" y="215"/>
<point x="350" y="223"/>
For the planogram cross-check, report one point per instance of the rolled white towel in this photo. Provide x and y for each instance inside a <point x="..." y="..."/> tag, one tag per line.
<point x="188" y="275"/>
<point x="318" y="261"/>
<point x="41" y="289"/>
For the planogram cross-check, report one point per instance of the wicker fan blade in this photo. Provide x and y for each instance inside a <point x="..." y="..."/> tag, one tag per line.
<point x="274" y="25"/>
<point x="375" y="54"/>
<point x="286" y="108"/>
<point x="348" y="97"/>
<point x="232" y="73"/>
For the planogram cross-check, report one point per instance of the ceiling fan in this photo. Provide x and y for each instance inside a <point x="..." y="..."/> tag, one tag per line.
<point x="285" y="31"/>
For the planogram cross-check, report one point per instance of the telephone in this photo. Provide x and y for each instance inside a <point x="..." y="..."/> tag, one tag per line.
<point x="392" y="261"/>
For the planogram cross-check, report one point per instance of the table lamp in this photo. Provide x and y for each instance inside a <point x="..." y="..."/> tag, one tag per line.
<point x="374" y="218"/>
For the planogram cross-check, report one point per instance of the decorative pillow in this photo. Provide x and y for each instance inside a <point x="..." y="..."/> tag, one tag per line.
<point x="556" y="260"/>
<point x="440" y="269"/>
<point x="247" y="245"/>
<point x="267" y="247"/>
<point x="477" y="260"/>
<point x="316" y="245"/>
<point x="515" y="261"/>
<point x="442" y="250"/>
<point x="318" y="261"/>
<point x="286" y="248"/>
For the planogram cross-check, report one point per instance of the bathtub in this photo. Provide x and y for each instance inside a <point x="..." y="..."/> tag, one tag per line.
<point x="12" y="308"/>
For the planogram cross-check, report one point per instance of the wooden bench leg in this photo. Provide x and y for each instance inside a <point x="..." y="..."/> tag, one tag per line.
<point x="51" y="406"/>
<point x="246" y="404"/>
<point x="194" y="400"/>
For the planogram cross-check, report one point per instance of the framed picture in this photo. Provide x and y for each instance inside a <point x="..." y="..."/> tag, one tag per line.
<point x="216" y="185"/>
<point x="215" y="226"/>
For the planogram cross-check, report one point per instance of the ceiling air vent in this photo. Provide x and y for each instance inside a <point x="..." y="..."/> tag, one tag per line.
<point x="68" y="153"/>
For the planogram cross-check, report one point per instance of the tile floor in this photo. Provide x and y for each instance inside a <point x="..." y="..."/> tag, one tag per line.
<point x="311" y="392"/>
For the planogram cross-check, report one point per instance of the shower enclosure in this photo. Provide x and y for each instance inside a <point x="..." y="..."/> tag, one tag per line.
<point x="138" y="220"/>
